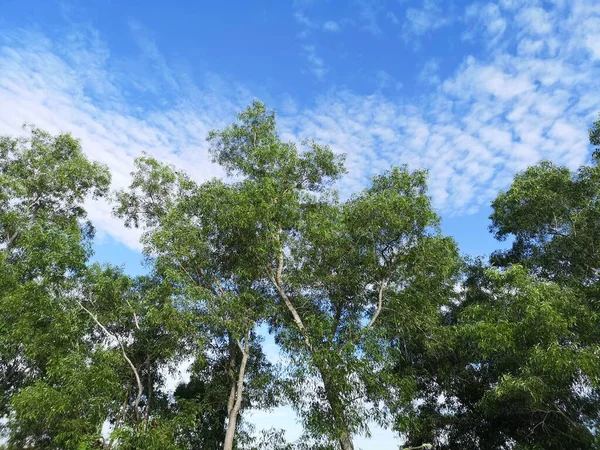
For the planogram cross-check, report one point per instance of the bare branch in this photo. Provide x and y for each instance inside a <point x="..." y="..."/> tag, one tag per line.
<point x="280" y="289"/>
<point x="133" y="368"/>
<point x="379" y="302"/>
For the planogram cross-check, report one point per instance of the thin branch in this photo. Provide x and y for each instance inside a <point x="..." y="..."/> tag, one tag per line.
<point x="149" y="394"/>
<point x="133" y="368"/>
<point x="12" y="239"/>
<point x="231" y="376"/>
<point x="135" y="318"/>
<point x="379" y="303"/>
<point x="336" y="320"/>
<point x="280" y="289"/>
<point x="220" y="287"/>
<point x="239" y="344"/>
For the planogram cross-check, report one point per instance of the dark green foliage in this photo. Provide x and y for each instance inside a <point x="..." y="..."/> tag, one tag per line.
<point x="518" y="365"/>
<point x="512" y="368"/>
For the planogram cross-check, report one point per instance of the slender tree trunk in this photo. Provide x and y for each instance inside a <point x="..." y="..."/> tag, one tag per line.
<point x="149" y="393"/>
<point x="231" y="372"/>
<point x="234" y="410"/>
<point x="346" y="441"/>
<point x="337" y="409"/>
<point x="343" y="431"/>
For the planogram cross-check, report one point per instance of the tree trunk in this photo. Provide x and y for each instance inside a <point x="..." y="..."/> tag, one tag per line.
<point x="337" y="409"/>
<point x="239" y="391"/>
<point x="231" y="373"/>
<point x="346" y="441"/>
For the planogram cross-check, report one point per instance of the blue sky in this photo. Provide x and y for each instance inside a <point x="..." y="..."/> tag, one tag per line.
<point x="472" y="91"/>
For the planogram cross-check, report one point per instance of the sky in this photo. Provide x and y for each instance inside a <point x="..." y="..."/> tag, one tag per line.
<point x="474" y="92"/>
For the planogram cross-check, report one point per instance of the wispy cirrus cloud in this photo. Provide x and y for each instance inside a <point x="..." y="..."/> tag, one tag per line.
<point x="485" y="19"/>
<point x="316" y="65"/>
<point x="530" y="99"/>
<point x="332" y="26"/>
<point x="74" y="85"/>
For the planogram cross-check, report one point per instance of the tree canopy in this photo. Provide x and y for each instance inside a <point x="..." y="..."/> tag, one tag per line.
<point x="375" y="315"/>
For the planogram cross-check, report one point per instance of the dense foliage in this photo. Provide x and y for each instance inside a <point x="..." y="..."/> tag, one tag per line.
<point x="376" y="316"/>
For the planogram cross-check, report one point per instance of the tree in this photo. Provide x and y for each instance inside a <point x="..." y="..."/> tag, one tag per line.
<point x="44" y="246"/>
<point x="185" y="236"/>
<point x="140" y="321"/>
<point x="519" y="364"/>
<point x="335" y="271"/>
<point x="79" y="345"/>
<point x="512" y="371"/>
<point x="275" y="243"/>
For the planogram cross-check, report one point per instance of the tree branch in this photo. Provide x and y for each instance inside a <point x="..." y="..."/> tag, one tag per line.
<point x="133" y="368"/>
<point x="135" y="318"/>
<point x="379" y="303"/>
<point x="231" y="373"/>
<point x="280" y="289"/>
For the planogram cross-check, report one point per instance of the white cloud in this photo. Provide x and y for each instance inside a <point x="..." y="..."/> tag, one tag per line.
<point x="369" y="12"/>
<point x="302" y="19"/>
<point x="331" y="26"/>
<point x="429" y="72"/>
<point x="423" y="20"/>
<point x="316" y="64"/>
<point x="487" y="17"/>
<point x="593" y="43"/>
<point x="536" y="20"/>
<point x="491" y="117"/>
<point x="392" y="17"/>
<point x="44" y="83"/>
<point x="384" y="80"/>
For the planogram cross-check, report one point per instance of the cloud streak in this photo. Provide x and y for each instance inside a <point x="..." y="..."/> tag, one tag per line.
<point x="72" y="86"/>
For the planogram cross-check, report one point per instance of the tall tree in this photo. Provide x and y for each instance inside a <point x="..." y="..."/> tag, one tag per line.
<point x="334" y="270"/>
<point x="185" y="236"/>
<point x="44" y="246"/>
<point x="519" y="365"/>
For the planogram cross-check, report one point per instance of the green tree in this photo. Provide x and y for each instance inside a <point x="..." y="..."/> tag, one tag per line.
<point x="274" y="243"/>
<point x="336" y="271"/>
<point x="512" y="370"/>
<point x="552" y="214"/>
<point x="79" y="345"/>
<point x="519" y="361"/>
<point x="140" y="321"/>
<point x="185" y="239"/>
<point x="44" y="246"/>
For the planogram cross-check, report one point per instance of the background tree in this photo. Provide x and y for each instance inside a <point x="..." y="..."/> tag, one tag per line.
<point x="79" y="345"/>
<point x="44" y="246"/>
<point x="521" y="364"/>
<point x="512" y="370"/>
